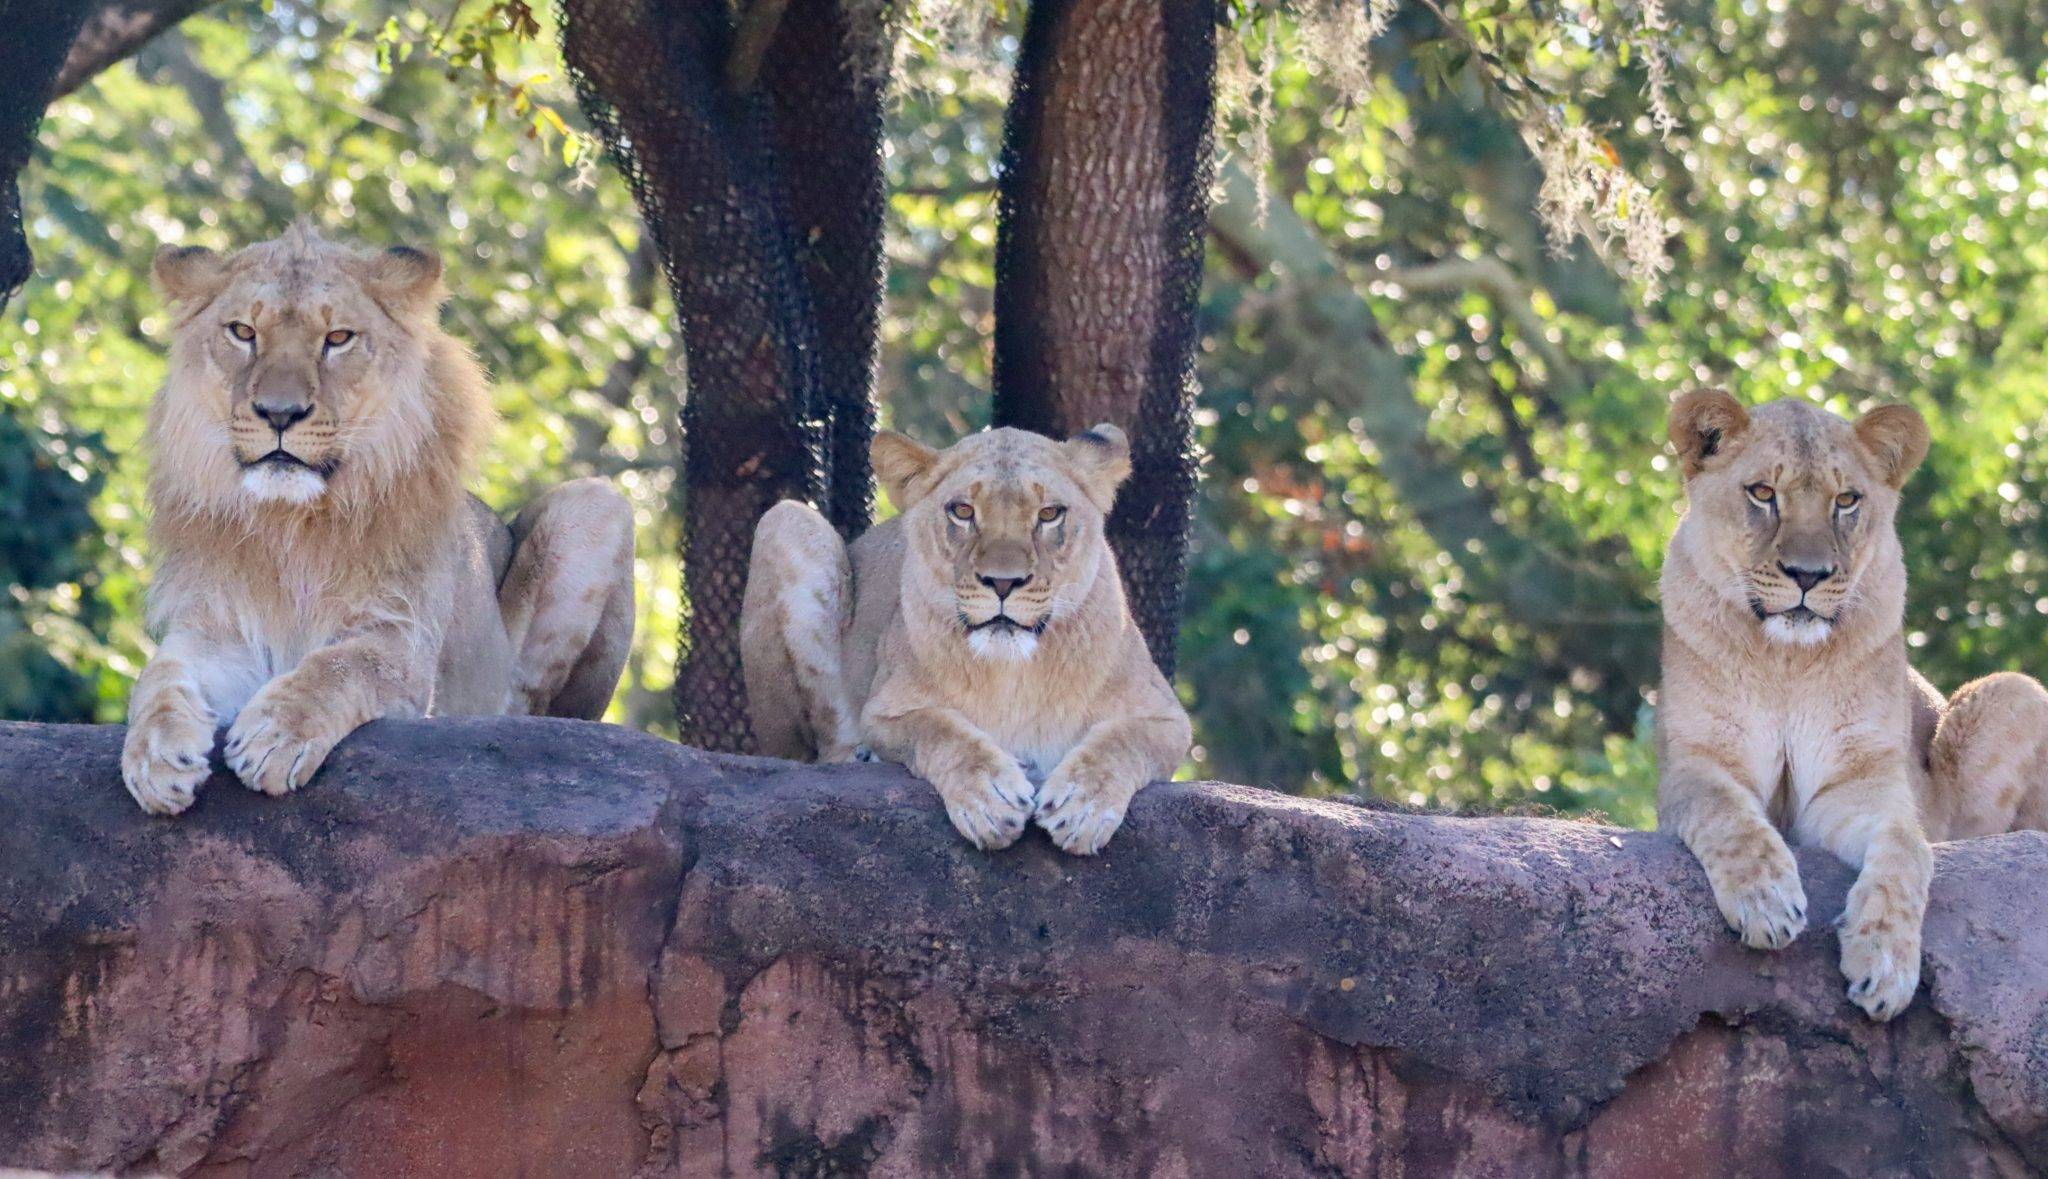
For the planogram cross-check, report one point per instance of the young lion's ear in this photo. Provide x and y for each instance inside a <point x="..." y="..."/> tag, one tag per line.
<point x="1102" y="459"/>
<point x="1896" y="436"/>
<point x="188" y="274"/>
<point x="406" y="276"/>
<point x="901" y="462"/>
<point x="1704" y="423"/>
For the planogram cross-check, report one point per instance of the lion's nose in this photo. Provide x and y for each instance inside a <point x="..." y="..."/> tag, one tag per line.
<point x="1005" y="586"/>
<point x="281" y="414"/>
<point x="1806" y="579"/>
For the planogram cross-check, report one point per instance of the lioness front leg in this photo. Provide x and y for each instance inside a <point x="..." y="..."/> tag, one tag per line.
<point x="170" y="727"/>
<point x="288" y="728"/>
<point x="1865" y="815"/>
<point x="985" y="791"/>
<point x="1754" y="877"/>
<point x="1086" y="795"/>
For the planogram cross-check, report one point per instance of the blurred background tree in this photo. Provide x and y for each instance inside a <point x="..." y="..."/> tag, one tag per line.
<point x="1460" y="258"/>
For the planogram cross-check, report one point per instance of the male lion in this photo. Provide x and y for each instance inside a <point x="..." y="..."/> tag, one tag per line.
<point x="1788" y="705"/>
<point x="318" y="562"/>
<point x="981" y="637"/>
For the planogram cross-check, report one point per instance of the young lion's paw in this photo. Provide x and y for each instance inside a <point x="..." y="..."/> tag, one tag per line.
<point x="1763" y="900"/>
<point x="163" y="760"/>
<point x="1880" y="952"/>
<point x="989" y="804"/>
<point x="274" y="746"/>
<point x="1081" y="811"/>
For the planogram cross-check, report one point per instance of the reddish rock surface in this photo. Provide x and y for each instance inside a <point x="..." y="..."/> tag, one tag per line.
<point x="553" y="948"/>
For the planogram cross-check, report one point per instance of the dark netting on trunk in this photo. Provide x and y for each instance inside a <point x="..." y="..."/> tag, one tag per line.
<point x="34" y="37"/>
<point x="754" y="152"/>
<point x="1103" y="212"/>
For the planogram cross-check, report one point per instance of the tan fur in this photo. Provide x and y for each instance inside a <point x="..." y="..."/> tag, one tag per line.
<point x="297" y="598"/>
<point x="899" y="643"/>
<point x="1790" y="709"/>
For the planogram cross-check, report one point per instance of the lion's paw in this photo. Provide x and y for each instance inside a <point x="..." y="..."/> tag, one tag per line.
<point x="1080" y="813"/>
<point x="1763" y="901"/>
<point x="275" y="747"/>
<point x="164" y="758"/>
<point x="1880" y="953"/>
<point x="989" y="804"/>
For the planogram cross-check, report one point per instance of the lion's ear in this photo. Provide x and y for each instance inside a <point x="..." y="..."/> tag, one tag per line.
<point x="1896" y="436"/>
<point x="1101" y="456"/>
<point x="189" y="274"/>
<point x="406" y="276"/>
<point x="1704" y="423"/>
<point x="901" y="462"/>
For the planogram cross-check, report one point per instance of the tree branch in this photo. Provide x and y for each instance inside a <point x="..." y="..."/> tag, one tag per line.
<point x="114" y="31"/>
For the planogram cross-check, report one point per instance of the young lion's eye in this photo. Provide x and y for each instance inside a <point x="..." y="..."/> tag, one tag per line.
<point x="1848" y="499"/>
<point x="1762" y="493"/>
<point x="241" y="331"/>
<point x="1049" y="515"/>
<point x="962" y="512"/>
<point x="339" y="336"/>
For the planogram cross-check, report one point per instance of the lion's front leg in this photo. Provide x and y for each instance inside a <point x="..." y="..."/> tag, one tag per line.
<point x="986" y="793"/>
<point x="1086" y="795"/>
<point x="1865" y="815"/>
<point x="170" y="728"/>
<point x="288" y="728"/>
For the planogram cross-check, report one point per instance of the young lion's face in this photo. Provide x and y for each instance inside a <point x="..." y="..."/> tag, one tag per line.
<point x="1791" y="502"/>
<point x="1009" y="522"/>
<point x="308" y="358"/>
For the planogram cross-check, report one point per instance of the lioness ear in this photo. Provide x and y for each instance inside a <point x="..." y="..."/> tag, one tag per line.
<point x="1896" y="436"/>
<point x="406" y="276"/>
<point x="900" y="461"/>
<point x="1102" y="458"/>
<point x="187" y="274"/>
<point x="1704" y="423"/>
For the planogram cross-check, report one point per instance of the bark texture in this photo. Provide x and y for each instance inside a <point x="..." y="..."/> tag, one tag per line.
<point x="555" y="948"/>
<point x="34" y="37"/>
<point x="1103" y="195"/>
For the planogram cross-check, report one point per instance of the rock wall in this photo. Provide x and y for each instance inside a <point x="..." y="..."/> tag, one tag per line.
<point x="554" y="948"/>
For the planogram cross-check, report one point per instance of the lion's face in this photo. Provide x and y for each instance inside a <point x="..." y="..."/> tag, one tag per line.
<point x="311" y="358"/>
<point x="1791" y="504"/>
<point x="1008" y="523"/>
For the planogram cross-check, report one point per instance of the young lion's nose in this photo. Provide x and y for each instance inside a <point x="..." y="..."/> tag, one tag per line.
<point x="1806" y="579"/>
<point x="1004" y="586"/>
<point x="282" y="414"/>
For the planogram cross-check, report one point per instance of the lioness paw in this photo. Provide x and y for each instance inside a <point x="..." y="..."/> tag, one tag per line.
<point x="1763" y="901"/>
<point x="1880" y="952"/>
<point x="1079" y="813"/>
<point x="273" y="749"/>
<point x="163" y="760"/>
<point x="988" y="804"/>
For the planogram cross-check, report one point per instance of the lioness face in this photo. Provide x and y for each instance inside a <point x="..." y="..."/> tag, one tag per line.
<point x="316" y="365"/>
<point x="1792" y="503"/>
<point x="1012" y="523"/>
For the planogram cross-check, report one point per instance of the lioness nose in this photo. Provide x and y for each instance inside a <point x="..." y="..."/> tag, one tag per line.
<point x="1807" y="578"/>
<point x="280" y="413"/>
<point x="1005" y="586"/>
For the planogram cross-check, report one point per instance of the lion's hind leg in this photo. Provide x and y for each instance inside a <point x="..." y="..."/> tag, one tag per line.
<point x="567" y="599"/>
<point x="792" y="622"/>
<point x="1988" y="762"/>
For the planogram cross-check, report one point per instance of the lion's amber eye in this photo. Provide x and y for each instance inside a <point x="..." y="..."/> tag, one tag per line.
<point x="1762" y="493"/>
<point x="1051" y="514"/>
<point x="241" y="331"/>
<point x="1848" y="499"/>
<point x="960" y="511"/>
<point x="339" y="336"/>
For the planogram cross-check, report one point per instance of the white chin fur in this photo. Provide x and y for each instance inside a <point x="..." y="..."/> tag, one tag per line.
<point x="1008" y="645"/>
<point x="1799" y="632"/>
<point x="291" y="485"/>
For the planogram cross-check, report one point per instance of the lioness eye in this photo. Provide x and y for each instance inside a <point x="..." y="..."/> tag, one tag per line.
<point x="241" y="331"/>
<point x="960" y="511"/>
<point x="1762" y="493"/>
<point x="339" y="336"/>
<point x="1048" y="515"/>
<point x="1847" y="500"/>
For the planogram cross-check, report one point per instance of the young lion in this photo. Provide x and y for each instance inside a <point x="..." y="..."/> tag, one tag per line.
<point x="981" y="637"/>
<point x="1788" y="705"/>
<point x="318" y="562"/>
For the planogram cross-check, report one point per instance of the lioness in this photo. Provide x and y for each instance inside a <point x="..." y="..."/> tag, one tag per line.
<point x="318" y="562"/>
<point x="981" y="637"/>
<point x="1788" y="705"/>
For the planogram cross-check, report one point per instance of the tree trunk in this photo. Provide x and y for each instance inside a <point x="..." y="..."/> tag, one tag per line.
<point x="1103" y="196"/>
<point x="34" y="37"/>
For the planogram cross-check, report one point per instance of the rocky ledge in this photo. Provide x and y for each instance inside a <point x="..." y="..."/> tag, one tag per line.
<point x="554" y="948"/>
